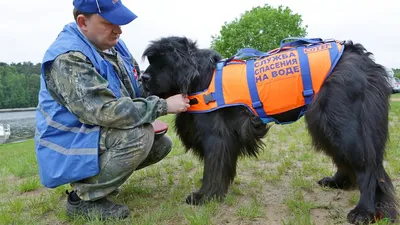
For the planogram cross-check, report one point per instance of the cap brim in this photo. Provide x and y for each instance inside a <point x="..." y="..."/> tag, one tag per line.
<point x="119" y="16"/>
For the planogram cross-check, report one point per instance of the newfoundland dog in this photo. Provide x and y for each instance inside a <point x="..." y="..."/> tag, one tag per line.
<point x="345" y="108"/>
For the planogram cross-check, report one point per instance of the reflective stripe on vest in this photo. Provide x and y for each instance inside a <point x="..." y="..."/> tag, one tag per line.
<point x="270" y="85"/>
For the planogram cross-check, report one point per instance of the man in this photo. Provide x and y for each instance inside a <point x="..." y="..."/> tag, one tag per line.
<point x="93" y="127"/>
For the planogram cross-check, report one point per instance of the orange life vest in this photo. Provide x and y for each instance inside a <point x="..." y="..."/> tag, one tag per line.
<point x="282" y="80"/>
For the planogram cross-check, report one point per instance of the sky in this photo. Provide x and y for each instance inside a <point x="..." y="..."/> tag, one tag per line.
<point x="29" y="27"/>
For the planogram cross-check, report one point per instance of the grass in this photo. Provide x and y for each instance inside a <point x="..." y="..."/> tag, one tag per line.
<point x="279" y="187"/>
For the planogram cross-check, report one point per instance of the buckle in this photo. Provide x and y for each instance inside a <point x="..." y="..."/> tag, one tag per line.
<point x="257" y="105"/>
<point x="308" y="93"/>
<point x="208" y="98"/>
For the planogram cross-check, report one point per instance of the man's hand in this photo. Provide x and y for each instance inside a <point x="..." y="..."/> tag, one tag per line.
<point x="177" y="103"/>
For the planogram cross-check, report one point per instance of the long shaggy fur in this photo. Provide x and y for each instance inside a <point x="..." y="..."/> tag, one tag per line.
<point x="348" y="121"/>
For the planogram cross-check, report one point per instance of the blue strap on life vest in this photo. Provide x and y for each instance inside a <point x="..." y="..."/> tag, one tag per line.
<point x="256" y="103"/>
<point x="308" y="92"/>
<point x="218" y="95"/>
<point x="334" y="56"/>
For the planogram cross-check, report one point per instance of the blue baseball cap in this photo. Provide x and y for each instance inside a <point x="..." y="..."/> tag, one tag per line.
<point x="111" y="10"/>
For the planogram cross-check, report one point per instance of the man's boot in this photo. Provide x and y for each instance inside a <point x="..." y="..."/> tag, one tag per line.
<point x="102" y="208"/>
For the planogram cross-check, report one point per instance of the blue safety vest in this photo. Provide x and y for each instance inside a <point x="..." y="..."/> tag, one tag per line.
<point x="66" y="149"/>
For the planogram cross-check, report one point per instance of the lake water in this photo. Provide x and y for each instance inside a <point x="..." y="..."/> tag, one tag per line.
<point x="22" y="124"/>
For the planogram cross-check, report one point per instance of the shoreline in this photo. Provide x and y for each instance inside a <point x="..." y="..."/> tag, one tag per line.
<point x="18" y="109"/>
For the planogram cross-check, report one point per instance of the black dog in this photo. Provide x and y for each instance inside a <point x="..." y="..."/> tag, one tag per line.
<point x="348" y="120"/>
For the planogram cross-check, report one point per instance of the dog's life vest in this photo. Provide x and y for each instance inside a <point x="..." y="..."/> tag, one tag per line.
<point x="270" y="83"/>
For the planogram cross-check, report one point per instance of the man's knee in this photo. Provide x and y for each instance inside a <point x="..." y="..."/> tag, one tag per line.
<point x="162" y="146"/>
<point x="165" y="141"/>
<point x="127" y="145"/>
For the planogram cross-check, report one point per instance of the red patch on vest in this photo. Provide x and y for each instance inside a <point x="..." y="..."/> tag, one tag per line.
<point x="135" y="73"/>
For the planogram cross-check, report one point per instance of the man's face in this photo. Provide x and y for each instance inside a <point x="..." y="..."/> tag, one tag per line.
<point x="99" y="31"/>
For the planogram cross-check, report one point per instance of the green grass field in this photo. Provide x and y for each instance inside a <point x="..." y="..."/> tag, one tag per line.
<point x="277" y="188"/>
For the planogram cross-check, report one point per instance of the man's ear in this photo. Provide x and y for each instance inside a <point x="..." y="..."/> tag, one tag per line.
<point x="81" y="21"/>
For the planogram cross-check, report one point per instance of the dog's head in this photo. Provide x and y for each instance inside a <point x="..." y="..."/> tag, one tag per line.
<point x="175" y="65"/>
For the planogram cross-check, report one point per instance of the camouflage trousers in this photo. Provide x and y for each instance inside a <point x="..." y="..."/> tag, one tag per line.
<point x="121" y="152"/>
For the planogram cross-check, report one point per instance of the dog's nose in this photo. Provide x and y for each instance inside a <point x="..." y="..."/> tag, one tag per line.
<point x="145" y="77"/>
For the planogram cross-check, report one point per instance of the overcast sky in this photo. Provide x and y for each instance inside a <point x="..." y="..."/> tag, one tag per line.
<point x="29" y="27"/>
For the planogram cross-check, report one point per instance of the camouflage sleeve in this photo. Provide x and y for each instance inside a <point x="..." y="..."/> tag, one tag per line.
<point x="82" y="90"/>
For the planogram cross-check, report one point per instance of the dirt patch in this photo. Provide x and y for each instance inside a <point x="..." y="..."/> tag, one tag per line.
<point x="333" y="206"/>
<point x="395" y="99"/>
<point x="11" y="179"/>
<point x="16" y="181"/>
<point x="276" y="212"/>
<point x="36" y="192"/>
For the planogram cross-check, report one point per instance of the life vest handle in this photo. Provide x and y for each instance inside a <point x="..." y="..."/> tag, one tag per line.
<point x="296" y="41"/>
<point x="249" y="52"/>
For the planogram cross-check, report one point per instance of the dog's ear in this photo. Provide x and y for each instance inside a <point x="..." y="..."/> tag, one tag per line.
<point x="215" y="57"/>
<point x="187" y="63"/>
<point x="152" y="49"/>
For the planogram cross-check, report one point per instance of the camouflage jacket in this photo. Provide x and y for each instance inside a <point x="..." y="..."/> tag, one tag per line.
<point x="74" y="83"/>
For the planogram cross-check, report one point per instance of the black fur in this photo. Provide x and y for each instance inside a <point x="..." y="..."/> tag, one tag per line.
<point x="348" y="121"/>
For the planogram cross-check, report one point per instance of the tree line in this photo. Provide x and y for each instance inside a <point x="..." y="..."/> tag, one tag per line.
<point x="19" y="85"/>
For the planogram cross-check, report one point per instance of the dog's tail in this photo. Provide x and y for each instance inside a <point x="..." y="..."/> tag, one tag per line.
<point x="375" y="70"/>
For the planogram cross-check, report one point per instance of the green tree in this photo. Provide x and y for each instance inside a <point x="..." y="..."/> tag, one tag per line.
<point x="33" y="86"/>
<point x="15" y="95"/>
<point x="26" y="68"/>
<point x="1" y="91"/>
<point x="19" y="84"/>
<point x="262" y="28"/>
<point x="396" y="72"/>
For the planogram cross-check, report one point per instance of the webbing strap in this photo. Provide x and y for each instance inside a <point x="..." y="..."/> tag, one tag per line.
<point x="251" y="81"/>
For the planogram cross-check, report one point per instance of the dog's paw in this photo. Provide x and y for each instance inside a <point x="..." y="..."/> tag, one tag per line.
<point x="200" y="199"/>
<point x="195" y="199"/>
<point x="360" y="217"/>
<point x="327" y="182"/>
<point x="332" y="183"/>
